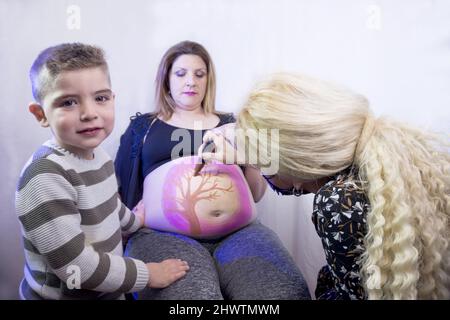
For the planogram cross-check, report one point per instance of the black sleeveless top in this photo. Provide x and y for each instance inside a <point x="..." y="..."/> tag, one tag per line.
<point x="165" y="142"/>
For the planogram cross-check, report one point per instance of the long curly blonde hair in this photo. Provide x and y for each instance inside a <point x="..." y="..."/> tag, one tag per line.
<point x="405" y="172"/>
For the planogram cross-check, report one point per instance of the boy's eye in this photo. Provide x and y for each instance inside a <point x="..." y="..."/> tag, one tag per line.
<point x="68" y="103"/>
<point x="102" y="98"/>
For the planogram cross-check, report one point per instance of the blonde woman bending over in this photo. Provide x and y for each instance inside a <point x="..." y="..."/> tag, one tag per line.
<point x="381" y="205"/>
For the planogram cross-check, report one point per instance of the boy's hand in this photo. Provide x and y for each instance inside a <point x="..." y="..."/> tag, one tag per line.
<point x="139" y="212"/>
<point x="166" y="272"/>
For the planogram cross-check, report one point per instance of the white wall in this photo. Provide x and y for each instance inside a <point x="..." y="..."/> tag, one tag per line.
<point x="397" y="53"/>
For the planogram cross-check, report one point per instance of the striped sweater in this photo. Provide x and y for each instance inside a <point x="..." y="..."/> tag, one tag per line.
<point x="72" y="223"/>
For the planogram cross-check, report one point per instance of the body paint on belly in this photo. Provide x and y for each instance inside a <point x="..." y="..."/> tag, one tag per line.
<point x="224" y="189"/>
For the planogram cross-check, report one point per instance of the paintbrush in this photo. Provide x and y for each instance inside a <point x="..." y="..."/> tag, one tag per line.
<point x="199" y="166"/>
<point x="211" y="147"/>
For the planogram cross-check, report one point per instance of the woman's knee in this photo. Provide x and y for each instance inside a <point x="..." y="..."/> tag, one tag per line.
<point x="154" y="246"/>
<point x="254" y="264"/>
<point x="254" y="278"/>
<point x="200" y="282"/>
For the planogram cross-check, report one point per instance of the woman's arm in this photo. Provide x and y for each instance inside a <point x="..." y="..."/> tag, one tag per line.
<point x="256" y="182"/>
<point x="339" y="219"/>
<point x="128" y="160"/>
<point x="122" y="163"/>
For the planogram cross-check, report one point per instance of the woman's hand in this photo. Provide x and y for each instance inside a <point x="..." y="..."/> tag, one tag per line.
<point x="223" y="138"/>
<point x="139" y="212"/>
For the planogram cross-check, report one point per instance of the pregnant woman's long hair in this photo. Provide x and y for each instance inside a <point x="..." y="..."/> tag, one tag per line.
<point x="165" y="105"/>
<point x="405" y="173"/>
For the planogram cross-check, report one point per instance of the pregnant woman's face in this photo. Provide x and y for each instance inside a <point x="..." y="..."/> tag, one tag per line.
<point x="214" y="203"/>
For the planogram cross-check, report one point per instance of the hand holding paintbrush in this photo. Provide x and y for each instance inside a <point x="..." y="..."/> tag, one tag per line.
<point x="207" y="147"/>
<point x="215" y="142"/>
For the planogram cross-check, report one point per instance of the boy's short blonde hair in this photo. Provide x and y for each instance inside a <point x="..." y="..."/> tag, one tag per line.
<point x="63" y="57"/>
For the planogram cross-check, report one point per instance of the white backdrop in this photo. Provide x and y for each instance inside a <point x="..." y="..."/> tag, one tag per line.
<point x="397" y="53"/>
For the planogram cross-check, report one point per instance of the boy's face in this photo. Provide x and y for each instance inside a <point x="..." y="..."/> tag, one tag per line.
<point x="79" y="109"/>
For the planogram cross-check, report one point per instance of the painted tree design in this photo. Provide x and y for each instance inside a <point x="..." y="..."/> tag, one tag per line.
<point x="188" y="196"/>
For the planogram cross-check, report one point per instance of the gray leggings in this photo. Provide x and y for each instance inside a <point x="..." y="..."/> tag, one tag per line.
<point x="249" y="264"/>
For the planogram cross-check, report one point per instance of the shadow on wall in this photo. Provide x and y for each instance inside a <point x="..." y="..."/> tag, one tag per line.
<point x="11" y="250"/>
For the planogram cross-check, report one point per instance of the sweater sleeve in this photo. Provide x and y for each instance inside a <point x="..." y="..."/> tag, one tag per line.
<point x="46" y="203"/>
<point x="128" y="221"/>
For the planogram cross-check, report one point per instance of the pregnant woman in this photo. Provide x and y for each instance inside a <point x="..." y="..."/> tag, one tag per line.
<point x="209" y="219"/>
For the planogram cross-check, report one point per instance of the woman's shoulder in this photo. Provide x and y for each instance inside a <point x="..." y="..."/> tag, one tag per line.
<point x="139" y="118"/>
<point x="140" y="122"/>
<point x="341" y="205"/>
<point x="225" y="117"/>
<point x="347" y="179"/>
<point x="345" y="190"/>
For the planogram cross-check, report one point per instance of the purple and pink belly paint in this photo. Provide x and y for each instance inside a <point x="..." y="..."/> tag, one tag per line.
<point x="212" y="204"/>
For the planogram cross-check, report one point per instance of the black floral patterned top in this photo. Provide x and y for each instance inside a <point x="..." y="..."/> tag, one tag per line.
<point x="340" y="210"/>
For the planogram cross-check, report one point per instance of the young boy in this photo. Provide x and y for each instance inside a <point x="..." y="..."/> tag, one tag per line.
<point x="67" y="202"/>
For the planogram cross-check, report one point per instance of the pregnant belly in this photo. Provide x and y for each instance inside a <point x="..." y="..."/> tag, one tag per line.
<point x="212" y="204"/>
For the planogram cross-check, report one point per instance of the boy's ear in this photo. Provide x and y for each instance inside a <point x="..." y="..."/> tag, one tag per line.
<point x="38" y="112"/>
